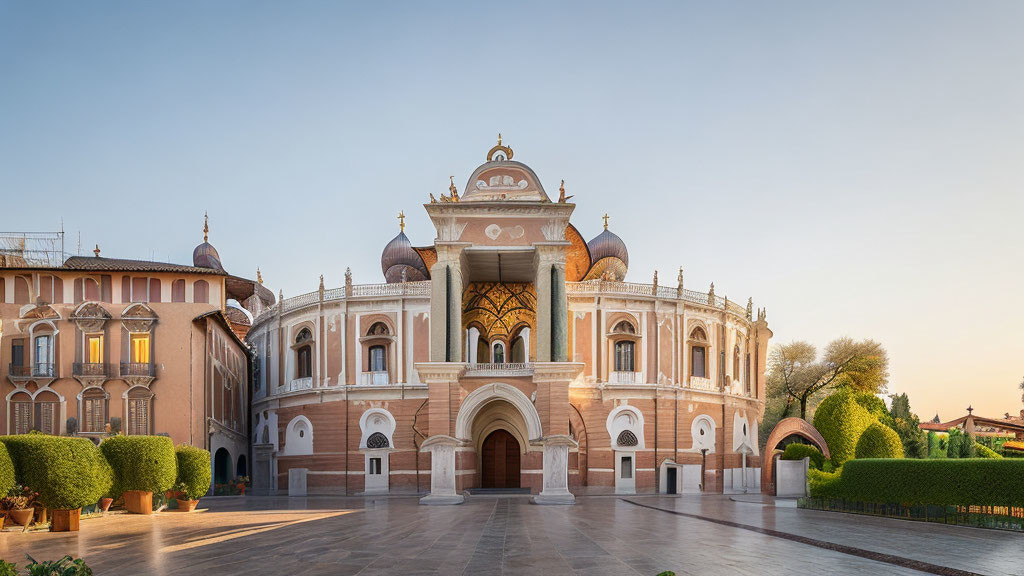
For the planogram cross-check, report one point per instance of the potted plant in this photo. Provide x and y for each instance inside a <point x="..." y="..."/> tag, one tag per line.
<point x="241" y="482"/>
<point x="194" y="476"/>
<point x="17" y="505"/>
<point x="65" y="473"/>
<point x="141" y="466"/>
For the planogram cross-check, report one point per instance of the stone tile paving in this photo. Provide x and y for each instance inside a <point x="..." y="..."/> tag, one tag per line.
<point x="507" y="535"/>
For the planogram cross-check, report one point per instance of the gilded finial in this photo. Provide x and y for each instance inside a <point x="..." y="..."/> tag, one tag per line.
<point x="259" y="275"/>
<point x="97" y="251"/>
<point x="206" y="227"/>
<point x="321" y="282"/>
<point x="401" y="220"/>
<point x="453" y="189"/>
<point x="432" y="199"/>
<point x="562" y="198"/>
<point x="605" y="220"/>
<point x="499" y="138"/>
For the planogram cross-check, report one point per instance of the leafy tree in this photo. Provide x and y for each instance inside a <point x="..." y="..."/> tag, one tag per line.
<point x="960" y="445"/>
<point x="796" y="373"/>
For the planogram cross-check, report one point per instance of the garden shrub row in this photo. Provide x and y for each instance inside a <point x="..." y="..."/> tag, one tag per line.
<point x="70" y="472"/>
<point x="947" y="482"/>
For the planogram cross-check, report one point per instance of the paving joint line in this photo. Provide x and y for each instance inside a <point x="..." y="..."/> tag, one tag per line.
<point x="841" y="548"/>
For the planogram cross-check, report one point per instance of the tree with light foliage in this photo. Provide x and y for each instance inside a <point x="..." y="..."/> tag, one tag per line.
<point x="798" y="377"/>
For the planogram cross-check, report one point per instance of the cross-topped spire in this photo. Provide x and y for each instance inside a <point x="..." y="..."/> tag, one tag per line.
<point x="499" y="138"/>
<point x="206" y="227"/>
<point x="605" y="217"/>
<point x="97" y="251"/>
<point x="401" y="220"/>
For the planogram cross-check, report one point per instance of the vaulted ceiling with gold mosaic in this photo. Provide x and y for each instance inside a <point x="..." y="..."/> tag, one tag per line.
<point x="499" y="307"/>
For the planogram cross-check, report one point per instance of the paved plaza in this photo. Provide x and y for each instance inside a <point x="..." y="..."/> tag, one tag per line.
<point x="508" y="535"/>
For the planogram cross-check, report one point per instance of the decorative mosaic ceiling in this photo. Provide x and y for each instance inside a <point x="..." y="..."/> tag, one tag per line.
<point x="499" y="308"/>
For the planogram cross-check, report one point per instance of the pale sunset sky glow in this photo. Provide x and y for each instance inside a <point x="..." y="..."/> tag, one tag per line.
<point x="857" y="169"/>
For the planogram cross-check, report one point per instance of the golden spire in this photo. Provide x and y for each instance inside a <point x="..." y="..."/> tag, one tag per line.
<point x="499" y="138"/>
<point x="605" y="220"/>
<point x="259" y="275"/>
<point x="401" y="220"/>
<point x="453" y="189"/>
<point x="206" y="227"/>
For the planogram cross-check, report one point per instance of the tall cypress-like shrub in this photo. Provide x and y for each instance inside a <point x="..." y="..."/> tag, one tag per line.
<point x="841" y="420"/>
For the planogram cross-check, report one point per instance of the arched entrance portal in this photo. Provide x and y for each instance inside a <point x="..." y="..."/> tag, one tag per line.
<point x="221" y="466"/>
<point x="786" y="428"/>
<point x="500" y="462"/>
<point x="241" y="469"/>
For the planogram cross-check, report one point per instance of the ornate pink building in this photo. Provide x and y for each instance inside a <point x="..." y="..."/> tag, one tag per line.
<point x="508" y="354"/>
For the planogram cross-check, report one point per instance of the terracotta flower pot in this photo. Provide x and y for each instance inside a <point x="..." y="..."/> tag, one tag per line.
<point x="187" y="505"/>
<point x="138" y="501"/>
<point x="105" y="504"/>
<point x="21" y="517"/>
<point x="65" y="520"/>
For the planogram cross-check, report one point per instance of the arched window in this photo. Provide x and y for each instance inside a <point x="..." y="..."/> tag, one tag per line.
<point x="201" y="292"/>
<point x="178" y="290"/>
<point x="47" y="413"/>
<point x="377" y="440"/>
<point x="43" y="356"/>
<point x="518" y="350"/>
<point x="304" y="354"/>
<point x="21" y="413"/>
<point x="624" y="355"/>
<point x="624" y="327"/>
<point x="378" y="361"/>
<point x="698" y="353"/>
<point x="626" y="438"/>
<point x="736" y="355"/>
<point x="499" y="353"/>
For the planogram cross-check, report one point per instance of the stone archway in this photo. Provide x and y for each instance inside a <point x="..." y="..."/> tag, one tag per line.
<point x="785" y="428"/>
<point x="221" y="466"/>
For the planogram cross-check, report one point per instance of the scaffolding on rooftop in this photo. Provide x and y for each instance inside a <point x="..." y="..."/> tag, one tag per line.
<point x="32" y="249"/>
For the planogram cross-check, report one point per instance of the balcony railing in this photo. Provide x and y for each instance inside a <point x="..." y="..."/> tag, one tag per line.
<point x="698" y="383"/>
<point x="665" y="292"/>
<point x="90" y="369"/>
<point x="619" y="377"/>
<point x="299" y="384"/>
<point x="37" y="370"/>
<point x="500" y="369"/>
<point x="144" y="369"/>
<point x="379" y="378"/>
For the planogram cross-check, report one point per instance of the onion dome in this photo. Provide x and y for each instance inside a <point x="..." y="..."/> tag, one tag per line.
<point x="609" y="256"/>
<point x="399" y="256"/>
<point x="205" y="255"/>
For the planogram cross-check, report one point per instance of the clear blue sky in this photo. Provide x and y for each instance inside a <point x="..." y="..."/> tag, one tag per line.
<point x="856" y="168"/>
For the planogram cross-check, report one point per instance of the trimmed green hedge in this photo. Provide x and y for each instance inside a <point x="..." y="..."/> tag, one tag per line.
<point x="841" y="420"/>
<point x="824" y="484"/>
<point x="141" y="463"/>
<point x="982" y="451"/>
<point x="801" y="451"/>
<point x="879" y="441"/>
<point x="66" y="472"/>
<point x="7" y="479"/>
<point x="194" y="474"/>
<point x="946" y="482"/>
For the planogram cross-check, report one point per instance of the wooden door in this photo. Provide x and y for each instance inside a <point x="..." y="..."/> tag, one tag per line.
<point x="500" y="465"/>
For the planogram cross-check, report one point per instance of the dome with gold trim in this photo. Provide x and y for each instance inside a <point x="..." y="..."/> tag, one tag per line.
<point x="609" y="256"/>
<point x="399" y="255"/>
<point x="205" y="255"/>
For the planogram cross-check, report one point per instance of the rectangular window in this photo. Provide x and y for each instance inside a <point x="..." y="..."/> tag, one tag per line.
<point x="138" y="416"/>
<point x="95" y="414"/>
<point x="627" y="468"/>
<point x="624" y="356"/>
<point x="377" y="359"/>
<point x="699" y="368"/>
<point x="140" y="290"/>
<point x="94" y="348"/>
<point x="374" y="465"/>
<point x="22" y="417"/>
<point x="140" y="348"/>
<point x="17" y="352"/>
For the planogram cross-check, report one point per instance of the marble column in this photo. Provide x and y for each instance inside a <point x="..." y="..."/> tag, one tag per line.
<point x="556" y="470"/>
<point x="442" y="470"/>
<point x="559" y="315"/>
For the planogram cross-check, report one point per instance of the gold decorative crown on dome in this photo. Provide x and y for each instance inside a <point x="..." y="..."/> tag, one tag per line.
<point x="502" y="178"/>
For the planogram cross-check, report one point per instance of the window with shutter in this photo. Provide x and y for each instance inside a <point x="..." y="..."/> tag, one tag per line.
<point x="95" y="415"/>
<point x="138" y="416"/>
<point x="47" y="417"/>
<point x="22" y="417"/>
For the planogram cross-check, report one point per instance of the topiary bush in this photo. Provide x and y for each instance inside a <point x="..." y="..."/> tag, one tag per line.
<point x="66" y="472"/>
<point x="879" y="441"/>
<point x="824" y="484"/>
<point x="7" y="479"/>
<point x="143" y="463"/>
<point x="801" y="451"/>
<point x="841" y="421"/>
<point x="981" y="451"/>
<point x="194" y="474"/>
<point x="942" y="482"/>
